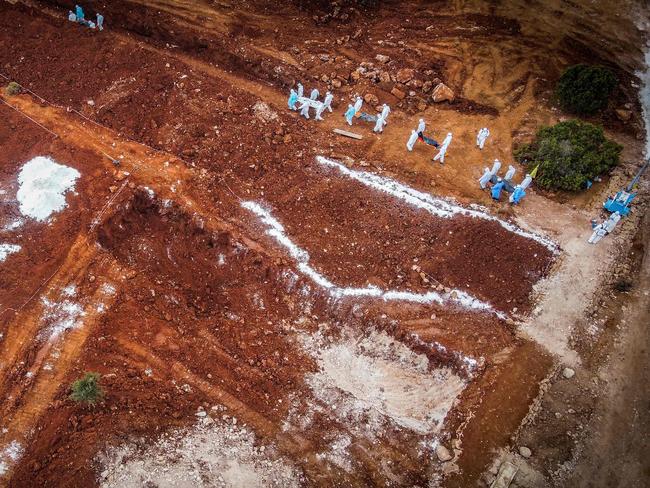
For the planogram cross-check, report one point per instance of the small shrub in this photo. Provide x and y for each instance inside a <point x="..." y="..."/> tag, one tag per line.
<point x="584" y="89"/>
<point x="87" y="389"/>
<point x="13" y="88"/>
<point x="569" y="154"/>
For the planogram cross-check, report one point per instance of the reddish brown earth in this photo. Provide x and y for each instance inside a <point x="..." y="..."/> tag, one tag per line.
<point x="173" y="91"/>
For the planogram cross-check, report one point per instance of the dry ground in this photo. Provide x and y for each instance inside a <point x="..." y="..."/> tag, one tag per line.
<point x="224" y="361"/>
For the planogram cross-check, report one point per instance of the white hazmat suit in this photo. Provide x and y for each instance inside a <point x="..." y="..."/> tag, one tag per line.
<point x="482" y="136"/>
<point x="443" y="149"/>
<point x="412" y="140"/>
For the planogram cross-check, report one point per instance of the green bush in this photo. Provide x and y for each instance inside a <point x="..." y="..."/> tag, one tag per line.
<point x="569" y="154"/>
<point x="13" y="88"/>
<point x="87" y="389"/>
<point x="584" y="89"/>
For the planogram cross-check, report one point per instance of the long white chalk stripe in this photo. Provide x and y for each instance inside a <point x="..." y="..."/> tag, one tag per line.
<point x="276" y="230"/>
<point x="435" y="206"/>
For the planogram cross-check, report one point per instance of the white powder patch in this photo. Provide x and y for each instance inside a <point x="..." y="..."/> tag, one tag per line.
<point x="277" y="231"/>
<point x="11" y="226"/>
<point x="61" y="316"/>
<point x="7" y="249"/>
<point x="210" y="454"/>
<point x="263" y="112"/>
<point x="10" y="455"/>
<point x="435" y="206"/>
<point x="468" y="363"/>
<point x="383" y="379"/>
<point x="43" y="185"/>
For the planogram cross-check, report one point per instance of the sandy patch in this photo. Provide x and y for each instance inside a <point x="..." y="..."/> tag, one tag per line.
<point x="384" y="379"/>
<point x="210" y="454"/>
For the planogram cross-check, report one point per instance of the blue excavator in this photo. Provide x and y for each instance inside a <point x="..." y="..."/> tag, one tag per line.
<point x="621" y="201"/>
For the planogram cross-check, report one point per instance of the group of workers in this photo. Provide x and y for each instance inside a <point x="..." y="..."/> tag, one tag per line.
<point x="297" y="101"/>
<point x="79" y="17"/>
<point x="297" y="97"/>
<point x="418" y="135"/>
<point x="517" y="192"/>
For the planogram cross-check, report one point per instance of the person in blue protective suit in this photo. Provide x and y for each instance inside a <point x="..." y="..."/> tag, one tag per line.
<point x="496" y="189"/>
<point x="100" y="22"/>
<point x="349" y="114"/>
<point x="517" y="195"/>
<point x="293" y="98"/>
<point x="79" y="12"/>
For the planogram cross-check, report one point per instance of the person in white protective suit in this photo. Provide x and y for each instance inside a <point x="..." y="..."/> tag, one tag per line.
<point x="482" y="136"/>
<point x="443" y="149"/>
<point x="71" y="16"/>
<point x="412" y="140"/>
<point x="300" y="90"/>
<point x="314" y="94"/>
<point x="484" y="180"/>
<point x="319" y="110"/>
<point x="358" y="103"/>
<point x="611" y="222"/>
<point x="421" y="126"/>
<point x="496" y="167"/>
<point x="510" y="173"/>
<point x="598" y="234"/>
<point x="304" y="109"/>
<point x="379" y="125"/>
<point x="327" y="103"/>
<point x="385" y="111"/>
<point x="526" y="182"/>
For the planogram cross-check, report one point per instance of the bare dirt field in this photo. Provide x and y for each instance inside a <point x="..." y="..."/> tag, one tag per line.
<point x="269" y="304"/>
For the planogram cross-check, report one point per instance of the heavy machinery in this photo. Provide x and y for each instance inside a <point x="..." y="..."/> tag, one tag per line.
<point x="621" y="201"/>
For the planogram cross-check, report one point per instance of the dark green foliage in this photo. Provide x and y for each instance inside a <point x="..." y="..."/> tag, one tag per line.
<point x="569" y="154"/>
<point x="87" y="389"/>
<point x="584" y="89"/>
<point x="13" y="88"/>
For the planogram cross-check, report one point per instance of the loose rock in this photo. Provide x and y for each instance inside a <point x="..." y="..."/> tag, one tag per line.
<point x="442" y="93"/>
<point x="568" y="373"/>
<point x="443" y="453"/>
<point x="525" y="452"/>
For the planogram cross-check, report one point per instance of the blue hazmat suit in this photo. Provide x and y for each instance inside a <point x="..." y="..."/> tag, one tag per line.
<point x="517" y="195"/>
<point x="79" y="13"/>
<point x="349" y="114"/>
<point x="293" y="98"/>
<point x="496" y="190"/>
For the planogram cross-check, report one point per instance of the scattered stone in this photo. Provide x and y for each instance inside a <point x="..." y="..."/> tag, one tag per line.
<point x="355" y="75"/>
<point x="568" y="373"/>
<point x="442" y="93"/>
<point x="398" y="93"/>
<point x="382" y="58"/>
<point x="201" y="413"/>
<point x="324" y="78"/>
<point x="337" y="83"/>
<point x="443" y="453"/>
<point x="405" y="75"/>
<point x="384" y="77"/>
<point x="371" y="99"/>
<point x="427" y="86"/>
<point x="525" y="452"/>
